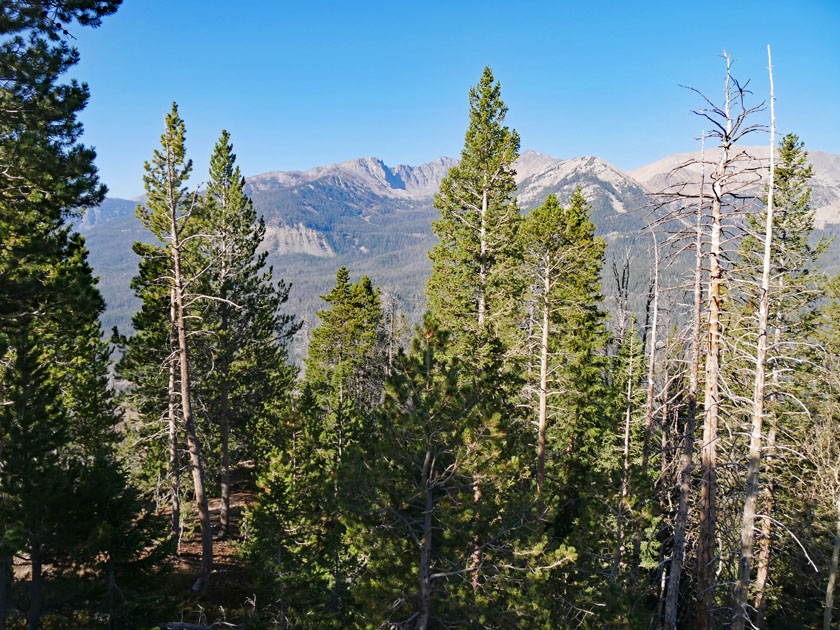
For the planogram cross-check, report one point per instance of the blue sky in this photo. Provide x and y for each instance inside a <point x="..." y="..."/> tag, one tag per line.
<point x="303" y="84"/>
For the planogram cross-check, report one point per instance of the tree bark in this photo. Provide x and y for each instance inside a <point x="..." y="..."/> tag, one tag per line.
<point x="6" y="577"/>
<point x="475" y="557"/>
<point x="224" y="411"/>
<point x="832" y="573"/>
<point x="424" y="594"/>
<point x="651" y="360"/>
<point x="34" y="620"/>
<point x="224" y="510"/>
<point x="681" y="523"/>
<point x="763" y="564"/>
<point x="174" y="463"/>
<point x="186" y="410"/>
<point x="543" y="389"/>
<point x="711" y="401"/>
<point x="748" y="525"/>
<point x="623" y="507"/>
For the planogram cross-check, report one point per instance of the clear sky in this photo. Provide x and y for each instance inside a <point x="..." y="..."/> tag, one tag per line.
<point x="300" y="84"/>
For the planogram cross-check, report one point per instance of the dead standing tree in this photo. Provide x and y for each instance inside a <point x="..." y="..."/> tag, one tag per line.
<point x="708" y="219"/>
<point x="731" y="181"/>
<point x="748" y="527"/>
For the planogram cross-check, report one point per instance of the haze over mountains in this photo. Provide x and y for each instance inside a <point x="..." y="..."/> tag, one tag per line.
<point x="376" y="220"/>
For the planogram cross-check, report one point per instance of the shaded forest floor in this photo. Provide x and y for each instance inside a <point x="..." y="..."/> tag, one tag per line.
<point x="227" y="602"/>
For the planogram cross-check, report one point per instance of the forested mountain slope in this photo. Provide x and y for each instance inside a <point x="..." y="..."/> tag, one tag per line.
<point x="376" y="220"/>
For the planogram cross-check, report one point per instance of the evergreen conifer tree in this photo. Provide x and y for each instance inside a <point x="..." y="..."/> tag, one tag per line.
<point x="241" y="313"/>
<point x="167" y="212"/>
<point x="475" y="266"/>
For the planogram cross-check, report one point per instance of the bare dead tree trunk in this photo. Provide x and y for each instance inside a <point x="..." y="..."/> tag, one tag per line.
<point x="651" y="359"/>
<point x="763" y="564"/>
<point x="174" y="464"/>
<point x="186" y="410"/>
<point x="832" y="573"/>
<point x="748" y="526"/>
<point x="543" y="386"/>
<point x="623" y="506"/>
<point x="653" y="310"/>
<point x="711" y="401"/>
<point x="681" y="523"/>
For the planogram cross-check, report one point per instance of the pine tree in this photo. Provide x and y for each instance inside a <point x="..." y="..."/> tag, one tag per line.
<point x="475" y="284"/>
<point x="475" y="266"/>
<point x="45" y="174"/>
<point x="167" y="211"/>
<point x="563" y="261"/>
<point x="301" y="530"/>
<point x="241" y="312"/>
<point x="57" y="414"/>
<point x="794" y="291"/>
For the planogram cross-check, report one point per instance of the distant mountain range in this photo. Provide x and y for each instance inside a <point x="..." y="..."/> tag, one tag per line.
<point x="376" y="220"/>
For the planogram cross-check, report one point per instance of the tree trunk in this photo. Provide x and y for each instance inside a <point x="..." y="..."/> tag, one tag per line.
<point x="625" y="479"/>
<point x="224" y="510"/>
<point x="174" y="463"/>
<point x="763" y="564"/>
<point x="543" y="390"/>
<point x="832" y="573"/>
<point x="651" y="360"/>
<point x="186" y="410"/>
<point x="34" y="620"/>
<point x="224" y="413"/>
<point x="763" y="568"/>
<point x="424" y="595"/>
<point x="482" y="270"/>
<point x="711" y="401"/>
<point x="6" y="577"/>
<point x="748" y="525"/>
<point x="475" y="558"/>
<point x="681" y="523"/>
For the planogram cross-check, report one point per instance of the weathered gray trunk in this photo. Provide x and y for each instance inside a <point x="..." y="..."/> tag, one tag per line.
<point x="687" y="460"/>
<point x="196" y="465"/>
<point x="623" y="506"/>
<point x="711" y="400"/>
<point x="174" y="463"/>
<point x="754" y="466"/>
<point x="651" y="360"/>
<point x="543" y="420"/>
<point x="832" y="573"/>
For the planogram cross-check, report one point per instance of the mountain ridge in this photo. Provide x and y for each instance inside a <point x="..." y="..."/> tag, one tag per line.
<point x="376" y="220"/>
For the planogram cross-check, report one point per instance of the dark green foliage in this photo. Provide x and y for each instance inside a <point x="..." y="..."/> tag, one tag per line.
<point x="475" y="265"/>
<point x="300" y="531"/>
<point x="244" y="352"/>
<point x="46" y="175"/>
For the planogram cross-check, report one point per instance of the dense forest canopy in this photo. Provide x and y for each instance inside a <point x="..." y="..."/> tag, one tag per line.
<point x="543" y="449"/>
